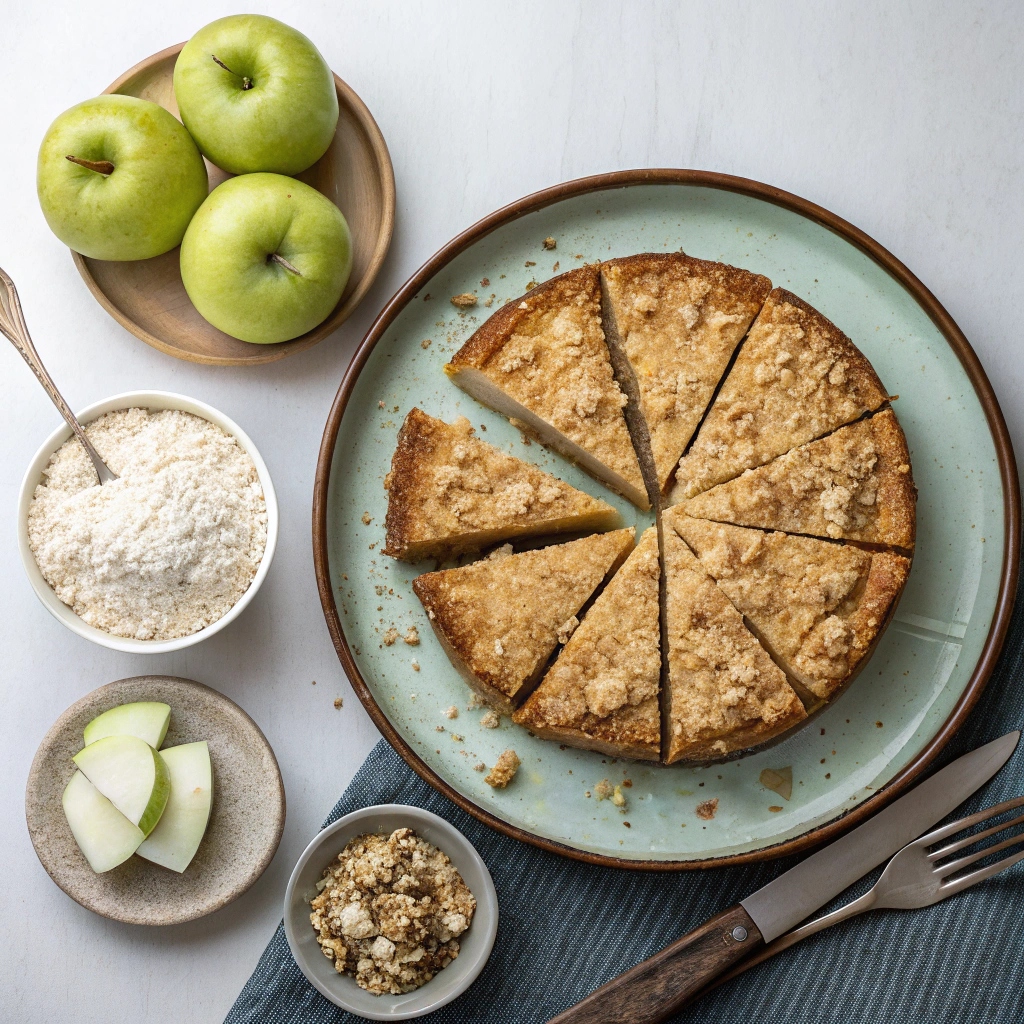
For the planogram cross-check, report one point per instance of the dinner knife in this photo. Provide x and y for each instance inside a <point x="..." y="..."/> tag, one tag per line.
<point x="656" y="988"/>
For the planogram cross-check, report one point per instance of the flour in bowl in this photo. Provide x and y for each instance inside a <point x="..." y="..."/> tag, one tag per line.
<point x="166" y="549"/>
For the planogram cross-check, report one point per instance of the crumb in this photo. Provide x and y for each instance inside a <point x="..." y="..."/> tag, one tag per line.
<point x="706" y="810"/>
<point x="878" y="725"/>
<point x="618" y="799"/>
<point x="415" y="665"/>
<point x="531" y="263"/>
<point x="549" y="243"/>
<point x="603" y="790"/>
<point x="425" y="343"/>
<point x="452" y="712"/>
<point x="344" y="576"/>
<point x="412" y="636"/>
<point x="480" y="767"/>
<point x="488" y="302"/>
<point x="390" y="636"/>
<point x="464" y="301"/>
<point x="578" y="256"/>
<point x="627" y="824"/>
<point x="504" y="770"/>
<point x="366" y="518"/>
<point x="491" y="719"/>
<point x="438" y="728"/>
<point x="338" y="702"/>
<point x="426" y="298"/>
<point x="554" y="269"/>
<point x="566" y="629"/>
<point x="587" y="794"/>
<point x="380" y="405"/>
<point x="775" y="808"/>
<point x="627" y="783"/>
<point x="458" y="737"/>
<point x="413" y="696"/>
<point x="484" y="282"/>
<point x="531" y="284"/>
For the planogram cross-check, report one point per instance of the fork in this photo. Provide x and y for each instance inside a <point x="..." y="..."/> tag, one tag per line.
<point x="918" y="876"/>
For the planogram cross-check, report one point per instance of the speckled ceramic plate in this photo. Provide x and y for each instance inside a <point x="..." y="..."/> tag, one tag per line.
<point x="245" y="824"/>
<point x="930" y="666"/>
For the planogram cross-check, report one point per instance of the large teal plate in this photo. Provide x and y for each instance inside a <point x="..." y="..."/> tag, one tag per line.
<point x="928" y="669"/>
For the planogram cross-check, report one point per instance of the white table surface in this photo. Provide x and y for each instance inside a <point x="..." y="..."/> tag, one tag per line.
<point x="906" y="119"/>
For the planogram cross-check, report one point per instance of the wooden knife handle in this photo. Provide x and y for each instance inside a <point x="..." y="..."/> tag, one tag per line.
<point x="655" y="989"/>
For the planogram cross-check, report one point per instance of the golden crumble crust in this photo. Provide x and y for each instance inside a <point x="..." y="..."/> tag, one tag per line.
<point x="677" y="320"/>
<point x="546" y="351"/>
<point x="854" y="484"/>
<point x="450" y="492"/>
<point x="498" y="619"/>
<point x="817" y="605"/>
<point x="602" y="692"/>
<point x="724" y="692"/>
<point x="796" y="378"/>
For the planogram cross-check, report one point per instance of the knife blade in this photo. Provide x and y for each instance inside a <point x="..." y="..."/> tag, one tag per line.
<point x="784" y="902"/>
<point x="656" y="988"/>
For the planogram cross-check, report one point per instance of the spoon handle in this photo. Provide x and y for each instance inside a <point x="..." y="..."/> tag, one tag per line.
<point x="13" y="326"/>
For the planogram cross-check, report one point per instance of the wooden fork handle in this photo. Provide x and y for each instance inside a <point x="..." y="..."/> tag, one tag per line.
<point x="654" y="990"/>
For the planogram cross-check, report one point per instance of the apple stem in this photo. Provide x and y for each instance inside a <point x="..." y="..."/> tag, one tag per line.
<point x="246" y="80"/>
<point x="99" y="166"/>
<point x="277" y="258"/>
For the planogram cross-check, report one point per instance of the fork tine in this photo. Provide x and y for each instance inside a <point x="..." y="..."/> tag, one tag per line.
<point x="961" y="862"/>
<point x="947" y="851"/>
<point x="958" y="826"/>
<point x="959" y="884"/>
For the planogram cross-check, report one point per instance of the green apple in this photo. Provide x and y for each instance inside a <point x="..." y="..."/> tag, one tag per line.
<point x="119" y="178"/>
<point x="266" y="258"/>
<point x="131" y="775"/>
<point x="147" y="719"/>
<point x="256" y="95"/>
<point x="174" y="841"/>
<point x="103" y="833"/>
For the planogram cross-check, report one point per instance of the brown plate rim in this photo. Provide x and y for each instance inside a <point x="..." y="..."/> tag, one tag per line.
<point x="242" y="887"/>
<point x="895" y="268"/>
<point x="263" y="354"/>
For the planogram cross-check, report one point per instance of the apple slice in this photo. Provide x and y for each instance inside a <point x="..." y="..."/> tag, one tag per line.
<point x="131" y="775"/>
<point x="174" y="841"/>
<point x="147" y="719"/>
<point x="103" y="833"/>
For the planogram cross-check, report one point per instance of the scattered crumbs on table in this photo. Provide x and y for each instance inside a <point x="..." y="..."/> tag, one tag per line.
<point x="415" y="665"/>
<point x="603" y="790"/>
<point x="412" y="636"/>
<point x="531" y="263"/>
<point x="390" y="636"/>
<point x="549" y="243"/>
<point x="554" y="269"/>
<point x="464" y="300"/>
<point x="338" y="702"/>
<point x="484" y="282"/>
<point x="504" y="770"/>
<point x="706" y="809"/>
<point x="366" y="517"/>
<point x="425" y="343"/>
<point x="480" y="767"/>
<point x="452" y="712"/>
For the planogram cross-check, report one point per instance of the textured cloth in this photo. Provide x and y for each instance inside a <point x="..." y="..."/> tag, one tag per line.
<point x="567" y="927"/>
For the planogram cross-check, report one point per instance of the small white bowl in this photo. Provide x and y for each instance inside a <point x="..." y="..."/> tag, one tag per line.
<point x="154" y="400"/>
<point x="475" y="943"/>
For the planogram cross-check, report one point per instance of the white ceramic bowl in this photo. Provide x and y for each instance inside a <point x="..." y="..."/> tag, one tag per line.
<point x="475" y="943"/>
<point x="154" y="400"/>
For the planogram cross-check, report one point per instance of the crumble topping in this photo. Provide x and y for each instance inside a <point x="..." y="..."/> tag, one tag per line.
<point x="504" y="770"/>
<point x="390" y="911"/>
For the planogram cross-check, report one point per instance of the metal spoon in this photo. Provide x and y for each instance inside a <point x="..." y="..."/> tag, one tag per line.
<point x="12" y="325"/>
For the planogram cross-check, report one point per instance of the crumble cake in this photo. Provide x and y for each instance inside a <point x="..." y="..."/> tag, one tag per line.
<point x="542" y="361"/>
<point x="499" y="618"/>
<point x="602" y="692"/>
<point x="450" y="492"/>
<point x="854" y="484"/>
<point x="672" y="324"/>
<point x="797" y="377"/>
<point x="816" y="605"/>
<point x="723" y="692"/>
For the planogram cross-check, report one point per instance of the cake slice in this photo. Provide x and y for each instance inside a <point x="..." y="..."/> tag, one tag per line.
<point x="723" y="692"/>
<point x="672" y="324"/>
<point x="854" y="484"/>
<point x="449" y="492"/>
<point x="797" y="377"/>
<point x="602" y="692"/>
<point x="818" y="606"/>
<point x="542" y="361"/>
<point x="500" y="619"/>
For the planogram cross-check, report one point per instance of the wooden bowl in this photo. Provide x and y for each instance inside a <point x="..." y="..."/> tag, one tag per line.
<point x="148" y="298"/>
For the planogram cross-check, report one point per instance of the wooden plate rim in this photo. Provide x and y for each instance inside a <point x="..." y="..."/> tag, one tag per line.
<point x="271" y="353"/>
<point x="57" y="728"/>
<point x="939" y="316"/>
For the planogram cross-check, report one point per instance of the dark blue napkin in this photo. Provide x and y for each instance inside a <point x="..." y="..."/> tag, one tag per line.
<point x="567" y="927"/>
